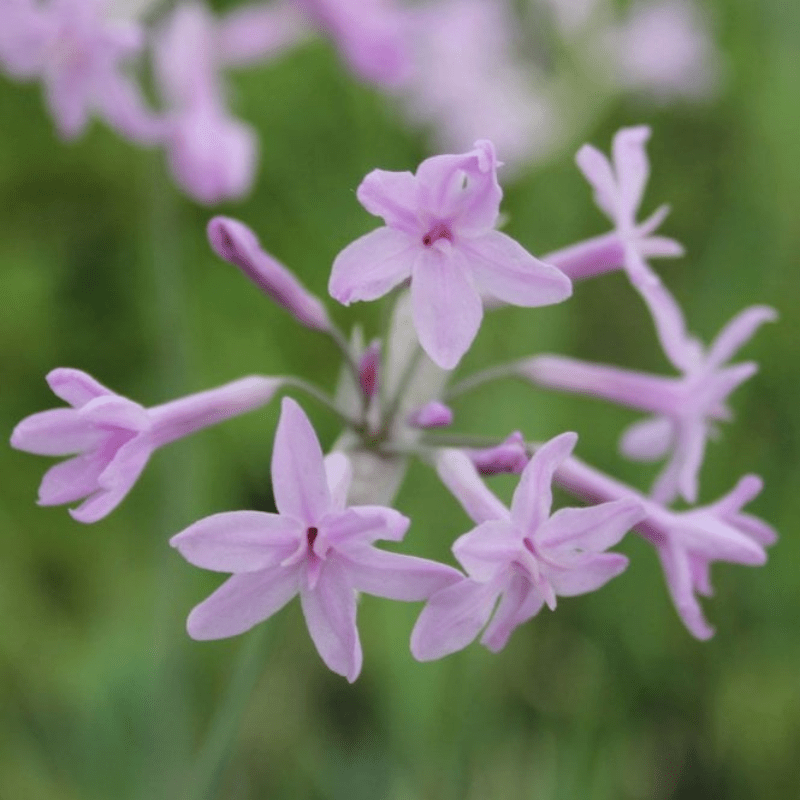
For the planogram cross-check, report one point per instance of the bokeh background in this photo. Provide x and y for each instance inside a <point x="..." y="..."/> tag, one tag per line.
<point x="104" y="266"/>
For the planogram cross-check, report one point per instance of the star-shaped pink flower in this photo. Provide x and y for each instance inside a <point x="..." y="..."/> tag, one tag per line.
<point x="315" y="546"/>
<point x="523" y="556"/>
<point x="440" y="233"/>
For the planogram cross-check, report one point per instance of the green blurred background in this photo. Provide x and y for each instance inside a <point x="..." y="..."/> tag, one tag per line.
<point x="104" y="266"/>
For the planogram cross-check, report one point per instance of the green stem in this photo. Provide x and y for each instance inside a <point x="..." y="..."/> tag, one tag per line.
<point x="479" y="378"/>
<point x="324" y="399"/>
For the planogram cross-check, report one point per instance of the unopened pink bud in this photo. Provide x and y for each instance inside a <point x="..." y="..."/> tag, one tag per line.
<point x="237" y="244"/>
<point x="431" y="415"/>
<point x="368" y="367"/>
<point x="510" y="455"/>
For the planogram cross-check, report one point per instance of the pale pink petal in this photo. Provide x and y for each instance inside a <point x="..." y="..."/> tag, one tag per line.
<point x="253" y="33"/>
<point x="57" y="432"/>
<point x="446" y="306"/>
<point x="431" y="415"/>
<point x="504" y="269"/>
<point x="238" y="541"/>
<point x="71" y="480"/>
<point x="396" y="576"/>
<point x="690" y="452"/>
<point x="242" y="602"/>
<point x="299" y="482"/>
<point x="452" y="618"/>
<point x="520" y="601"/>
<point x="459" y="475"/>
<point x="679" y="581"/>
<point x="589" y="573"/>
<point x="372" y="265"/>
<point x="339" y="475"/>
<point x="330" y="612"/>
<point x="594" y="528"/>
<point x="489" y="549"/>
<point x="533" y="497"/>
<point x="113" y="411"/>
<point x="361" y="524"/>
<point x="660" y="247"/>
<point x="737" y="333"/>
<point x="74" y="386"/>
<point x="718" y="540"/>
<point x="632" y="168"/>
<point x="392" y="196"/>
<point x="597" y="170"/>
<point x="647" y="440"/>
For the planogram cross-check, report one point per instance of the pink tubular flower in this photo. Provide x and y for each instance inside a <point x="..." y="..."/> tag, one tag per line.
<point x="79" y="54"/>
<point x="315" y="546"/>
<point x="685" y="409"/>
<point x="523" y="556"/>
<point x="237" y="244"/>
<point x="510" y="455"/>
<point x="113" y="437"/>
<point x="440" y="232"/>
<point x="432" y="415"/>
<point x="212" y="155"/>
<point x="687" y="541"/>
<point x="618" y="188"/>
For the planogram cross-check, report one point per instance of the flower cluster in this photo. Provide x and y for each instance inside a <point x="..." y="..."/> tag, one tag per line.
<point x="442" y="260"/>
<point x="90" y="56"/>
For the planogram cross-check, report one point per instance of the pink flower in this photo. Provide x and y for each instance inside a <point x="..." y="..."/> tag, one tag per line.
<point x="523" y="556"/>
<point x="315" y="546"/>
<point x="440" y="233"/>
<point x="80" y="55"/>
<point x="618" y="188"/>
<point x="113" y="437"/>
<point x="212" y="155"/>
<point x="685" y="409"/>
<point x="687" y="541"/>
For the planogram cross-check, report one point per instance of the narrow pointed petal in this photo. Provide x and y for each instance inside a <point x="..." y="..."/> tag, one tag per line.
<point x="57" y="432"/>
<point x="70" y="480"/>
<point x="241" y="602"/>
<point x="679" y="582"/>
<point x="238" y="541"/>
<point x="359" y="524"/>
<point x="114" y="411"/>
<point x="506" y="270"/>
<point x="396" y="576"/>
<point x="691" y="451"/>
<point x="632" y="168"/>
<point x="372" y="265"/>
<point x="339" y="475"/>
<point x="519" y="602"/>
<point x="299" y="482"/>
<point x="446" y="306"/>
<point x="594" y="528"/>
<point x="738" y="332"/>
<point x="705" y="535"/>
<point x="392" y="196"/>
<point x="597" y="171"/>
<point x="458" y="473"/>
<point x="647" y="440"/>
<point x="533" y="497"/>
<point x="590" y="573"/>
<point x="488" y="549"/>
<point x="451" y="619"/>
<point x="74" y="386"/>
<point x="660" y="247"/>
<point x="330" y="612"/>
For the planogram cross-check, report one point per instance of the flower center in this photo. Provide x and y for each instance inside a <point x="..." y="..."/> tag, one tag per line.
<point x="438" y="231"/>
<point x="311" y="537"/>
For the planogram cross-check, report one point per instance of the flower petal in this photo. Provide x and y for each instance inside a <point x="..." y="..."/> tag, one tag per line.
<point x="74" y="386"/>
<point x="737" y="333"/>
<point x="339" y="475"/>
<point x="519" y="602"/>
<point x="647" y="440"/>
<point x="488" y="549"/>
<point x="452" y="618"/>
<point x="299" y="482"/>
<point x="588" y="574"/>
<point x="392" y="196"/>
<point x="372" y="265"/>
<point x="596" y="168"/>
<point x="71" y="480"/>
<point x="504" y="269"/>
<point x="533" y="497"/>
<point x="364" y="524"/>
<point x="238" y="541"/>
<point x="593" y="528"/>
<point x="458" y="473"/>
<point x="394" y="575"/>
<point x="113" y="411"/>
<point x="241" y="602"/>
<point x="446" y="306"/>
<point x="632" y="168"/>
<point x="330" y="612"/>
<point x="57" y="432"/>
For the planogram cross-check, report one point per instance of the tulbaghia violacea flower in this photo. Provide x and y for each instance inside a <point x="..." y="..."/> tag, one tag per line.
<point x="371" y="35"/>
<point x="440" y="233"/>
<point x="510" y="456"/>
<point x="685" y="409"/>
<point x="315" y="546"/>
<point x="523" y="555"/>
<point x="237" y="244"/>
<point x="79" y="53"/>
<point x="212" y="155"/>
<point x="618" y="189"/>
<point x="687" y="541"/>
<point x="111" y="437"/>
